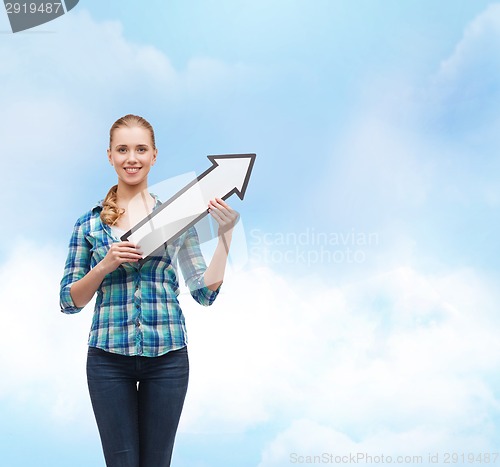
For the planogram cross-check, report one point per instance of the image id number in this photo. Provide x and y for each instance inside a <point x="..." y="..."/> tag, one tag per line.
<point x="26" y="7"/>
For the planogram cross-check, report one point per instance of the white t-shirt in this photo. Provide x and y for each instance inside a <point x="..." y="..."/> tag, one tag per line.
<point x="117" y="232"/>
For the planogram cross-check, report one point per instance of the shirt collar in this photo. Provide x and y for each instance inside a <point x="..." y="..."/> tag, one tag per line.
<point x="99" y="204"/>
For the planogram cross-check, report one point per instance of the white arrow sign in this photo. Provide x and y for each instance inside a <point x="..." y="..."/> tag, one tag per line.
<point x="229" y="174"/>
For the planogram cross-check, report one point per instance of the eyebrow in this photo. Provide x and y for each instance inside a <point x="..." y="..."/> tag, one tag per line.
<point x="126" y="145"/>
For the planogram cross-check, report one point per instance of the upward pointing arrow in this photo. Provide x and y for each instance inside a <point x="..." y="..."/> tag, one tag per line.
<point x="229" y="174"/>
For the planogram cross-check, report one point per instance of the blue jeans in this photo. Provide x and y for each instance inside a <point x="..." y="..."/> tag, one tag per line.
<point x="137" y="403"/>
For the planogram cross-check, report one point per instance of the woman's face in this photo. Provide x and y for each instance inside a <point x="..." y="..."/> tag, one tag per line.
<point x="132" y="154"/>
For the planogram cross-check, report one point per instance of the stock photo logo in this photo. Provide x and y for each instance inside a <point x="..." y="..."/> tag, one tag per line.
<point x="27" y="15"/>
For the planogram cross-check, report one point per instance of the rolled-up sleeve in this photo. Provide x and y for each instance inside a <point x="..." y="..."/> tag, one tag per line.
<point x="193" y="268"/>
<point x="77" y="265"/>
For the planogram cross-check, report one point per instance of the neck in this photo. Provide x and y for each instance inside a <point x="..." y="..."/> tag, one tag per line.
<point x="125" y="193"/>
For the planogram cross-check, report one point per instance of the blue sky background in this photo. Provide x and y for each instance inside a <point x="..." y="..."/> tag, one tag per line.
<point x="375" y="126"/>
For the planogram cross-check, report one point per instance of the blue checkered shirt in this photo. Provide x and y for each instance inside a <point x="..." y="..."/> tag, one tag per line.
<point x="136" y="310"/>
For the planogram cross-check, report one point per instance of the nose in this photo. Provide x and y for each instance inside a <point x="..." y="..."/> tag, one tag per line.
<point x="132" y="158"/>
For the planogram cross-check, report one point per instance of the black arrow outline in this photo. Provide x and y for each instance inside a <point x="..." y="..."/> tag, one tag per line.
<point x="239" y="193"/>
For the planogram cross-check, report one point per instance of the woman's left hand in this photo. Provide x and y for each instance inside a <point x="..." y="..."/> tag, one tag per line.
<point x="223" y="214"/>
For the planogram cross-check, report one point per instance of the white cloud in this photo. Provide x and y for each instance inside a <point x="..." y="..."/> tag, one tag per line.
<point x="61" y="92"/>
<point x="417" y="162"/>
<point x="476" y="54"/>
<point x="402" y="355"/>
<point x="465" y="89"/>
<point x="403" y="358"/>
<point x="43" y="362"/>
<point x="404" y="364"/>
<point x="465" y="93"/>
<point x="308" y="442"/>
<point x="396" y="352"/>
<point x="83" y="58"/>
<point x="52" y="81"/>
<point x="84" y="61"/>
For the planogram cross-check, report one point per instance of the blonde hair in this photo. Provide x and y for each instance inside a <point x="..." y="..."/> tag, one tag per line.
<point x="110" y="211"/>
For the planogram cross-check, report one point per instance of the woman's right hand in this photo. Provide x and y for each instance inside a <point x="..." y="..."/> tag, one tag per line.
<point x="118" y="253"/>
<point x="84" y="289"/>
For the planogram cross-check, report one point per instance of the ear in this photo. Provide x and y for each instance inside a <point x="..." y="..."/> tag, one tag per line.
<point x="155" y="153"/>
<point x="109" y="156"/>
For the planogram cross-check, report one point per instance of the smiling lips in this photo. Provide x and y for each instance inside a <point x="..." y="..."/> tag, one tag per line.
<point x="132" y="170"/>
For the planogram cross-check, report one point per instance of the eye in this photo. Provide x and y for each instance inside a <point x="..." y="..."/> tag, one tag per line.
<point x="141" y="150"/>
<point x="122" y="150"/>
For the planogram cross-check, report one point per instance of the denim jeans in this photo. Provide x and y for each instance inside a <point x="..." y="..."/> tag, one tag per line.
<point x="137" y="403"/>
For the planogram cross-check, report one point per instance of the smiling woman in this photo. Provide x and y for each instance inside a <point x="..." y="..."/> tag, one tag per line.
<point x="132" y="152"/>
<point x="137" y="362"/>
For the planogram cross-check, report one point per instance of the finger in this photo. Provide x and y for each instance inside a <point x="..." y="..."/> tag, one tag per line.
<point x="221" y="201"/>
<point x="126" y="243"/>
<point x="129" y="247"/>
<point x="223" y="214"/>
<point x="222" y="206"/>
<point x="215" y="214"/>
<point x="129" y="258"/>
<point x="129" y="255"/>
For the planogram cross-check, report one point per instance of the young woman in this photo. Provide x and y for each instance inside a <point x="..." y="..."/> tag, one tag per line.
<point x="137" y="362"/>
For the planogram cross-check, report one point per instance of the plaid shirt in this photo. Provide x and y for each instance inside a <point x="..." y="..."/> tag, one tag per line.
<point x="136" y="311"/>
